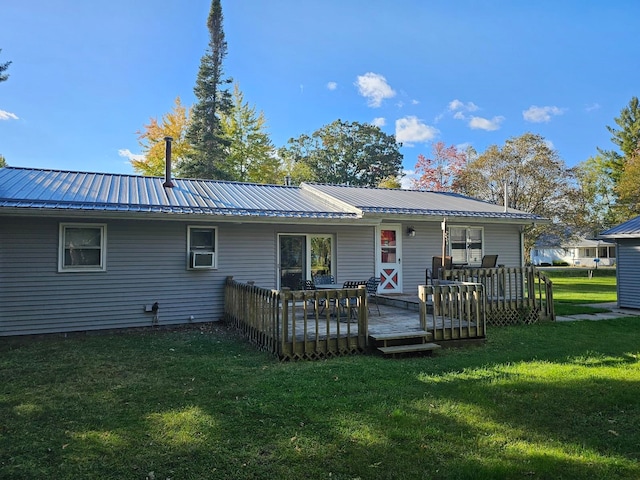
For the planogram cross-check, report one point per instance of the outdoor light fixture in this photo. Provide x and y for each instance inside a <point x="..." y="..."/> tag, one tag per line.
<point x="411" y="231"/>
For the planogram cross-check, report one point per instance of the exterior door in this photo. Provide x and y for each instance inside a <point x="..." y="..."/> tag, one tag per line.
<point x="292" y="260"/>
<point x="389" y="258"/>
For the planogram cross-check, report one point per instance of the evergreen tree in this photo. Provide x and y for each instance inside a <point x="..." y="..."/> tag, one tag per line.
<point x="626" y="139"/>
<point x="3" y="68"/>
<point x="205" y="131"/>
<point x="250" y="154"/>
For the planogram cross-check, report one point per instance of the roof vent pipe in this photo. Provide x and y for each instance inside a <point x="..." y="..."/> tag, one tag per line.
<point x="506" y="197"/>
<point x="168" y="182"/>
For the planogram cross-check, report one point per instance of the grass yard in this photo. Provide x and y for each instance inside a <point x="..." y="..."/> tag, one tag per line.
<point x="550" y="401"/>
<point x="572" y="287"/>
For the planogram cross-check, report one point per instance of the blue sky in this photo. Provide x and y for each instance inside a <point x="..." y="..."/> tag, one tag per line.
<point x="87" y="75"/>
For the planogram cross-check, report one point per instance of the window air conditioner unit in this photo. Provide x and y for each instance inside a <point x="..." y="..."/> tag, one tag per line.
<point x="202" y="259"/>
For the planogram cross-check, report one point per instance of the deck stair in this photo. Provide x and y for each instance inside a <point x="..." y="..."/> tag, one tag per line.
<point x="392" y="344"/>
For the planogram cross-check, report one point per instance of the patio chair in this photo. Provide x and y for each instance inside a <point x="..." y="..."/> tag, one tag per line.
<point x="309" y="285"/>
<point x="351" y="302"/>
<point x="489" y="261"/>
<point x="372" y="291"/>
<point x="434" y="273"/>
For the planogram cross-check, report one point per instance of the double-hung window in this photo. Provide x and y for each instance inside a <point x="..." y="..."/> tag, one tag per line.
<point x="83" y="247"/>
<point x="466" y="245"/>
<point x="202" y="247"/>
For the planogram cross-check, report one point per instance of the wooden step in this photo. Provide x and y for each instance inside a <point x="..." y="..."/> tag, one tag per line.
<point x="416" y="347"/>
<point x="385" y="338"/>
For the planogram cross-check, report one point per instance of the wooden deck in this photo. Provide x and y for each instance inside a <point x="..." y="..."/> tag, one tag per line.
<point x="305" y="324"/>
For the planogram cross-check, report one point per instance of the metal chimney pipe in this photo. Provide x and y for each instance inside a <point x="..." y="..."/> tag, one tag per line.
<point x="168" y="182"/>
<point x="506" y="197"/>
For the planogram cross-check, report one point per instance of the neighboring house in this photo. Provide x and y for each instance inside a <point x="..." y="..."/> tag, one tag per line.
<point x="579" y="252"/>
<point x="627" y="238"/>
<point x="83" y="251"/>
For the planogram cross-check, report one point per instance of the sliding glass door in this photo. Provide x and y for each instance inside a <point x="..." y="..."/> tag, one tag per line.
<point x="302" y="257"/>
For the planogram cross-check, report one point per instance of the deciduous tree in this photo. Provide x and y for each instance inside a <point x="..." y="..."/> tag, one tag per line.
<point x="392" y="181"/>
<point x="151" y="138"/>
<point x="595" y="210"/>
<point x="347" y="153"/>
<point x="439" y="172"/>
<point x="205" y="132"/>
<point x="627" y="189"/>
<point x="536" y="178"/>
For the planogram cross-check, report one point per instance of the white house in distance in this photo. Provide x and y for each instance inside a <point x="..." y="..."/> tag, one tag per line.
<point x="579" y="252"/>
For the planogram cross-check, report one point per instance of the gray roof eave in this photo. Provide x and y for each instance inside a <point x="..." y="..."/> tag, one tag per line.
<point x="486" y="217"/>
<point x="159" y="215"/>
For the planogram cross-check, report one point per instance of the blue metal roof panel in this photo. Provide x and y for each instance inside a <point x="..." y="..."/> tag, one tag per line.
<point x="34" y="188"/>
<point x="416" y="202"/>
<point x="629" y="229"/>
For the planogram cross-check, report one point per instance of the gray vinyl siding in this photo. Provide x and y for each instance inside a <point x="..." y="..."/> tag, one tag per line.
<point x="418" y="251"/>
<point x="356" y="253"/>
<point x="628" y="266"/>
<point x="146" y="262"/>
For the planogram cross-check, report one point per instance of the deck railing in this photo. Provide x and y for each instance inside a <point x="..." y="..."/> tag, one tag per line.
<point x="513" y="295"/>
<point x="458" y="310"/>
<point x="305" y="324"/>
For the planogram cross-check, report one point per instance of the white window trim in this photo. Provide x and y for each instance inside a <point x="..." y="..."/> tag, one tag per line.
<point x="103" y="248"/>
<point x="449" y="249"/>
<point x="215" y="246"/>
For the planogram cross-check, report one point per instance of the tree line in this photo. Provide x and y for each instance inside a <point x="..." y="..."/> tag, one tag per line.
<point x="224" y="137"/>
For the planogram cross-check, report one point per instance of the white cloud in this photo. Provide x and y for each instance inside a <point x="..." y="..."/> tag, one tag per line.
<point x="592" y="107"/>
<point x="4" y="115"/>
<point x="374" y="88"/>
<point x="459" y="109"/>
<point x="406" y="182"/>
<point x="457" y="105"/>
<point x="479" y="123"/>
<point x="537" y="114"/>
<point x="125" y="152"/>
<point x="332" y="85"/>
<point x="379" y="122"/>
<point x="411" y="129"/>
<point x="415" y="102"/>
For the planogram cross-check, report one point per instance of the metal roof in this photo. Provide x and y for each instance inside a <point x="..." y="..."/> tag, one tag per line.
<point x="64" y="190"/>
<point x="628" y="229"/>
<point x="415" y="202"/>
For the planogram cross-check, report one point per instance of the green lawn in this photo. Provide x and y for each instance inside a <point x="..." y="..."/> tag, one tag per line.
<point x="550" y="401"/>
<point x="572" y="287"/>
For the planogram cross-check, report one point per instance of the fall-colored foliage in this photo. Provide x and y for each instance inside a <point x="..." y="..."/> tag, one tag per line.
<point x="439" y="172"/>
<point x="151" y="138"/>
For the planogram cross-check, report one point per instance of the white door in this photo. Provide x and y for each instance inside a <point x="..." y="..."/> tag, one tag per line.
<point x="389" y="258"/>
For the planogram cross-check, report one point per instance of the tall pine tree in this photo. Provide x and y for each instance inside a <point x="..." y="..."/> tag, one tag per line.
<point x="205" y="132"/>
<point x="3" y="67"/>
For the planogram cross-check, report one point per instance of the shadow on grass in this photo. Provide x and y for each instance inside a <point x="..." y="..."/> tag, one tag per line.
<point x="546" y="401"/>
